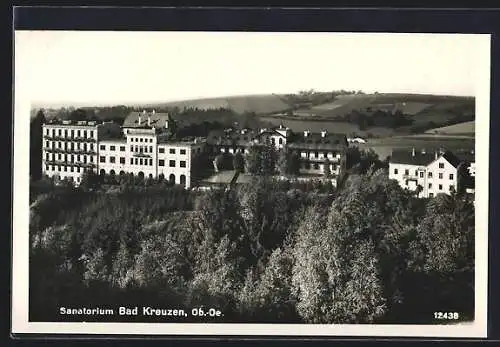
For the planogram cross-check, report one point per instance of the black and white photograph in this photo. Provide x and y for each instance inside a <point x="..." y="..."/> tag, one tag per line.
<point x="170" y="183"/>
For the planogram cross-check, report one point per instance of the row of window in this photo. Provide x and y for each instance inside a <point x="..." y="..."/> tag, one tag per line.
<point x="316" y="166"/>
<point x="72" y="158"/>
<point x="316" y="154"/>
<point x="171" y="150"/>
<point x="141" y="149"/>
<point x="440" y="186"/>
<point x="140" y="139"/>
<point x="111" y="148"/>
<point x="421" y="174"/>
<point x="64" y="168"/>
<point x="70" y="146"/>
<point x="70" y="133"/>
<point x="142" y="161"/>
<point x="171" y="163"/>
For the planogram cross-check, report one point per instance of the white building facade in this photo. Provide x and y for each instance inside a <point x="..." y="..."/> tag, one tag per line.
<point x="139" y="148"/>
<point x="430" y="173"/>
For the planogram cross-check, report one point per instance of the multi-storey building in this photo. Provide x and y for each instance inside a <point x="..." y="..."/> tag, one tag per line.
<point x="146" y="146"/>
<point x="315" y="150"/>
<point x="430" y="173"/>
<point x="70" y="148"/>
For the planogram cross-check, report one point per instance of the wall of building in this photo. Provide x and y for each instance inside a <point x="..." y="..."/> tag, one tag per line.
<point x="69" y="150"/>
<point x="174" y="162"/>
<point x="442" y="177"/>
<point x="437" y="177"/>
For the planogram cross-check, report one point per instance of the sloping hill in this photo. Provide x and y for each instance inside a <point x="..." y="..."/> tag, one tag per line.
<point x="461" y="128"/>
<point x="260" y="104"/>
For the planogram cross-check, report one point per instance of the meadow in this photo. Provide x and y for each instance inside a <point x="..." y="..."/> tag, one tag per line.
<point x="461" y="128"/>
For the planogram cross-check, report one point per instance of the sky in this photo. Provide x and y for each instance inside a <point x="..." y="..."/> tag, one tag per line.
<point x="71" y="67"/>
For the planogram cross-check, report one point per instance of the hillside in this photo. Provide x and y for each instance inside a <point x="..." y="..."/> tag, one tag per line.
<point x="462" y="128"/>
<point x="260" y="104"/>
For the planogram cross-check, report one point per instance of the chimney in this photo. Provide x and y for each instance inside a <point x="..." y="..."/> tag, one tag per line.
<point x="413" y="152"/>
<point x="166" y="124"/>
<point x="323" y="133"/>
<point x="139" y="119"/>
<point x="149" y="121"/>
<point x="435" y="155"/>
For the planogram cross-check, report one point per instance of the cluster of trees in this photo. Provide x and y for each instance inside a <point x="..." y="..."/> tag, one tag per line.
<point x="378" y="118"/>
<point x="311" y="97"/>
<point x="263" y="252"/>
<point x="261" y="160"/>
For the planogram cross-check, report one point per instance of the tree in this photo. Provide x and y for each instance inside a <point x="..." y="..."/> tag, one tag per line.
<point x="336" y="272"/>
<point x="326" y="168"/>
<point x="261" y="160"/>
<point x="36" y="143"/>
<point x="90" y="180"/>
<point x="238" y="162"/>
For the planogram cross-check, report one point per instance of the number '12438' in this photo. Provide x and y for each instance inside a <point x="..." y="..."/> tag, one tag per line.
<point x="446" y="315"/>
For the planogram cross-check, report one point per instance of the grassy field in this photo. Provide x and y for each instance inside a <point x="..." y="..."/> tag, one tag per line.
<point x="384" y="146"/>
<point x="332" y="127"/>
<point x="462" y="128"/>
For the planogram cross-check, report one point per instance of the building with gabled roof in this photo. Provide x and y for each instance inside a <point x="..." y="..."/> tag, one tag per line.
<point x="428" y="173"/>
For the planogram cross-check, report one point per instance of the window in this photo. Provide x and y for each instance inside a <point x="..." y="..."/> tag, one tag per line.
<point x="441" y="165"/>
<point x="150" y="149"/>
<point x="171" y="163"/>
<point x="78" y="133"/>
<point x="430" y="175"/>
<point x="395" y="171"/>
<point x="440" y="187"/>
<point x="316" y="154"/>
<point x="430" y="185"/>
<point x="452" y="187"/>
<point x="183" y="151"/>
<point x="150" y="162"/>
<point x="140" y="140"/>
<point x="440" y="175"/>
<point x="71" y="169"/>
<point x="112" y="148"/>
<point x="102" y="159"/>
<point x="182" y="163"/>
<point x="122" y="148"/>
<point x="421" y="174"/>
<point x="407" y="172"/>
<point x="161" y="162"/>
<point x="58" y="168"/>
<point x="451" y="176"/>
<point x="416" y="172"/>
<point x="431" y="195"/>
<point x="161" y="150"/>
<point x="46" y="168"/>
<point x="131" y="148"/>
<point x="102" y="147"/>
<point x="122" y="160"/>
<point x="85" y="133"/>
<point x="316" y="166"/>
<point x="112" y="160"/>
<point x="131" y="161"/>
<point x="280" y="141"/>
<point x="59" y="132"/>
<point x="140" y="161"/>
<point x="91" y="159"/>
<point x="65" y="169"/>
<point x="172" y="151"/>
<point x="136" y="161"/>
<point x="273" y="140"/>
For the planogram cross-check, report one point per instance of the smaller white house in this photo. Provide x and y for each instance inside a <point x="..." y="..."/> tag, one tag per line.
<point x="430" y="173"/>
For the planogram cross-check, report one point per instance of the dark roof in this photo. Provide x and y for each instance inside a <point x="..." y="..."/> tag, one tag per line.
<point x="422" y="159"/>
<point x="316" y="141"/>
<point x="407" y="157"/>
<point x="452" y="158"/>
<point x="158" y="119"/>
<point x="220" y="137"/>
